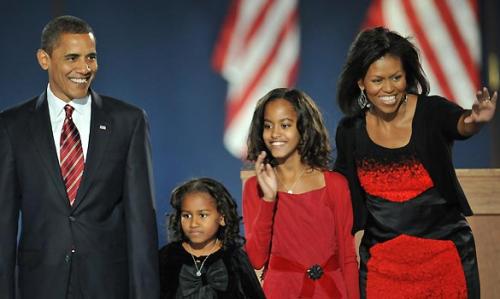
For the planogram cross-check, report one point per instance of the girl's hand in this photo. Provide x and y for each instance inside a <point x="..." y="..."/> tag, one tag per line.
<point x="266" y="177"/>
<point x="484" y="109"/>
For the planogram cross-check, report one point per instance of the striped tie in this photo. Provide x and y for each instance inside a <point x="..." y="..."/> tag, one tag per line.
<point x="71" y="155"/>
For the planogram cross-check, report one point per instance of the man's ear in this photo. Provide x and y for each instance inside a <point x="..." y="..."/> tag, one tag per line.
<point x="43" y="59"/>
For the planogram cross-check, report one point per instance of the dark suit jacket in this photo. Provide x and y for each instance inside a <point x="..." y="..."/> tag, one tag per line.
<point x="111" y="225"/>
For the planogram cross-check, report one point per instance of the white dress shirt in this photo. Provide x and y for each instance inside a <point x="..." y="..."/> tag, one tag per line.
<point x="81" y="118"/>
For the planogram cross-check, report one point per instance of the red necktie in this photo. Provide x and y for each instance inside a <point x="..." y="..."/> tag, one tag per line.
<point x="71" y="155"/>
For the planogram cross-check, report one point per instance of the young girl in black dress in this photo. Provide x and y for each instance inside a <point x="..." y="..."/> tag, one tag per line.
<point x="205" y="258"/>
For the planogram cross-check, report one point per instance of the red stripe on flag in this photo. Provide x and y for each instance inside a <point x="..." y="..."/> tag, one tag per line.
<point x="292" y="75"/>
<point x="459" y="42"/>
<point x="234" y="106"/>
<point x="473" y="4"/>
<point x="374" y="16"/>
<point x="426" y="48"/>
<point x="258" y="22"/>
<point x="222" y="45"/>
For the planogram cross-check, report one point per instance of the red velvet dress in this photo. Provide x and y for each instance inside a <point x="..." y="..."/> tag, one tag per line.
<point x="298" y="231"/>
<point x="408" y="249"/>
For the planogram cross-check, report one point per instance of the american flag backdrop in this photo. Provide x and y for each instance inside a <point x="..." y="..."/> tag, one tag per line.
<point x="447" y="35"/>
<point x="257" y="50"/>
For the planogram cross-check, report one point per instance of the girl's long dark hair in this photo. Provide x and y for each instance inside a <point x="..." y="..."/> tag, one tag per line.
<point x="226" y="206"/>
<point x="314" y="146"/>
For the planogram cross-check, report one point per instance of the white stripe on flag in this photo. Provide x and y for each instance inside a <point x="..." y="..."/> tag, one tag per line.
<point x="234" y="140"/>
<point x="452" y="71"/>
<point x="465" y="18"/>
<point x="395" y="18"/>
<point x="445" y="50"/>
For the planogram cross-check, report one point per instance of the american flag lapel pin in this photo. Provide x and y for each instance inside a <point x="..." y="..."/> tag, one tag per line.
<point x="102" y="127"/>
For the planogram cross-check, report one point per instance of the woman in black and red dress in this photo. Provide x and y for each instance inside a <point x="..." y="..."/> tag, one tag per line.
<point x="394" y="146"/>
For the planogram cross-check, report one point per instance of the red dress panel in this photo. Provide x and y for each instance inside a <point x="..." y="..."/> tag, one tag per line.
<point x="408" y="266"/>
<point x="298" y="231"/>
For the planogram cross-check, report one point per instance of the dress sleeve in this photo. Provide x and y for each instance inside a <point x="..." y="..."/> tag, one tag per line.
<point x="248" y="285"/>
<point x="169" y="272"/>
<point x="344" y="220"/>
<point x="258" y="222"/>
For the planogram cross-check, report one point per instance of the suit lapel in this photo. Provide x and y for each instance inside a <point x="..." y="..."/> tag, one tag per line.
<point x="43" y="140"/>
<point x="100" y="125"/>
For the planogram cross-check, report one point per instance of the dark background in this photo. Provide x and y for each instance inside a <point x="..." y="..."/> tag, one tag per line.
<point x="157" y="55"/>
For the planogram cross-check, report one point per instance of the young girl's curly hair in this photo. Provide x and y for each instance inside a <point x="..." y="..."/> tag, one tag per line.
<point x="226" y="206"/>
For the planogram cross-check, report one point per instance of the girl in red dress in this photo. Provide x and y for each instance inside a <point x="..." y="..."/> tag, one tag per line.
<point x="297" y="214"/>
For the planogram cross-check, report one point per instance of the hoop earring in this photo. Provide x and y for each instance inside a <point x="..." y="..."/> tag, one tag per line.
<point x="363" y="101"/>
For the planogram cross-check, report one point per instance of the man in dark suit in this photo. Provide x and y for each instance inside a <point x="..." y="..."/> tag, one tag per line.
<point x="76" y="167"/>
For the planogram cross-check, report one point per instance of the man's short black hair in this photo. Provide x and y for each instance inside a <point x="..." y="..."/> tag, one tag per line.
<point x="60" y="25"/>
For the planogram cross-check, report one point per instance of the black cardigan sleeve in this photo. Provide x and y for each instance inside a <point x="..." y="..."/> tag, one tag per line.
<point x="436" y="130"/>
<point x="446" y="114"/>
<point x="345" y="164"/>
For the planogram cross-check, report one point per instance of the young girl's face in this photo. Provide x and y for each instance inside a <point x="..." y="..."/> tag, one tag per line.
<point x="280" y="133"/>
<point x="200" y="219"/>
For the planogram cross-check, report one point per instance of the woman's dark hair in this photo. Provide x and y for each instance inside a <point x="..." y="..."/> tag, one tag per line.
<point x="226" y="206"/>
<point x="369" y="46"/>
<point x="314" y="146"/>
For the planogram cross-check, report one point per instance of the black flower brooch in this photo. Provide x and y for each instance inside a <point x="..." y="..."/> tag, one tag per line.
<point x="315" y="272"/>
